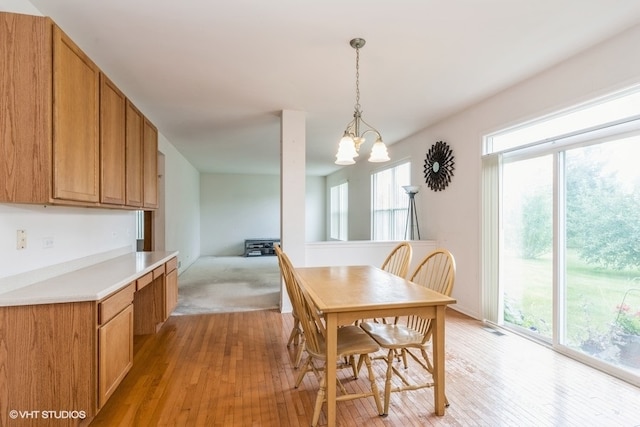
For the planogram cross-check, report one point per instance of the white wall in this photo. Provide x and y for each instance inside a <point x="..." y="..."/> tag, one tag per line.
<point x="452" y="217"/>
<point x="19" y="6"/>
<point x="235" y="207"/>
<point x="74" y="233"/>
<point x="182" y="204"/>
<point x="315" y="209"/>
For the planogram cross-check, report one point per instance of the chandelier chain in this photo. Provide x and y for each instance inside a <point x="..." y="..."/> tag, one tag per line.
<point x="357" y="106"/>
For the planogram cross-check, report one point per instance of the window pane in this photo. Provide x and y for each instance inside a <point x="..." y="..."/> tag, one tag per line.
<point x="339" y="211"/>
<point x="390" y="202"/>
<point x="614" y="108"/>
<point x="526" y="254"/>
<point x="603" y="251"/>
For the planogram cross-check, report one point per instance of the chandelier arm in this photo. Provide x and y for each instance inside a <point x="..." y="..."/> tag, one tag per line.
<point x="350" y="128"/>
<point x="370" y="129"/>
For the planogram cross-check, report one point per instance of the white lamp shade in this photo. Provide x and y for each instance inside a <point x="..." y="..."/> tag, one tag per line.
<point x="379" y="152"/>
<point x="346" y="152"/>
<point x="411" y="189"/>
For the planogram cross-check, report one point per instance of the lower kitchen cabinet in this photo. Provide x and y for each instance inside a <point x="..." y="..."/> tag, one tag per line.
<point x="70" y="357"/>
<point x="115" y="341"/>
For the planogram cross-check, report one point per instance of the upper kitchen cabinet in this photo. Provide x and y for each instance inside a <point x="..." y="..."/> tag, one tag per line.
<point x="26" y="104"/>
<point x="76" y="126"/>
<point x="49" y="94"/>
<point x="150" y="165"/>
<point x="67" y="136"/>
<point x="134" y="173"/>
<point x="112" y="143"/>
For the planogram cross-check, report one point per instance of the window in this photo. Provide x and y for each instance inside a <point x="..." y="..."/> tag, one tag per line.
<point x="390" y="203"/>
<point x="139" y="225"/>
<point x="339" y="211"/>
<point x="561" y="214"/>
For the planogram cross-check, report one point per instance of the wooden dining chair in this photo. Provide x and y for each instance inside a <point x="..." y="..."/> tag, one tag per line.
<point x="296" y="337"/>
<point x="398" y="260"/>
<point x="352" y="341"/>
<point x="409" y="335"/>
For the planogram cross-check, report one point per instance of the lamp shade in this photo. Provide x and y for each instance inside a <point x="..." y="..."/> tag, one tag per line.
<point x="379" y="152"/>
<point x="411" y="189"/>
<point x="346" y="151"/>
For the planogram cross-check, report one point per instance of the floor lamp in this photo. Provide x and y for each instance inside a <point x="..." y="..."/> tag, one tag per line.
<point x="412" y="216"/>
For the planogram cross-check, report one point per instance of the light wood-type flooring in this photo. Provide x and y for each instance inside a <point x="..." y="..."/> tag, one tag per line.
<point x="233" y="369"/>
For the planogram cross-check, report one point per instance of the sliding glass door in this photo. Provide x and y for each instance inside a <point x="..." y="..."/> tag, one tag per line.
<point x="570" y="248"/>
<point x="527" y="245"/>
<point x="561" y="231"/>
<point x="602" y="251"/>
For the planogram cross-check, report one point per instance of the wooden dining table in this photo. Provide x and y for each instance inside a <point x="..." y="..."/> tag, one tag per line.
<point x="345" y="294"/>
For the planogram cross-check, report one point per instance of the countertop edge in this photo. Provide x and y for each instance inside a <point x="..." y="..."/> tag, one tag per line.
<point x="75" y="286"/>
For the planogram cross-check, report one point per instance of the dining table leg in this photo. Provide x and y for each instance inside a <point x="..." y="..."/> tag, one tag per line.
<point x="439" y="360"/>
<point x="330" y="368"/>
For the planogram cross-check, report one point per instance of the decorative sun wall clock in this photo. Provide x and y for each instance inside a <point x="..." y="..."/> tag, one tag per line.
<point x="439" y="166"/>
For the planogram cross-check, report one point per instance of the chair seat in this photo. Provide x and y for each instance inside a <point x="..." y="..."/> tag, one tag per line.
<point x="351" y="340"/>
<point x="393" y="336"/>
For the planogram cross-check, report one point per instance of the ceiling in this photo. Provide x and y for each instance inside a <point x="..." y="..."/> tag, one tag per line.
<point x="214" y="75"/>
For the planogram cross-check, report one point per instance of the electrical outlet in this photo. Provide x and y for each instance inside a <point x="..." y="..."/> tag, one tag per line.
<point x="21" y="239"/>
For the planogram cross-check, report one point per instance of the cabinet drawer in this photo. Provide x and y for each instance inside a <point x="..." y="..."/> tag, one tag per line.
<point x="144" y="281"/>
<point x="157" y="272"/>
<point x="172" y="264"/>
<point x="114" y="304"/>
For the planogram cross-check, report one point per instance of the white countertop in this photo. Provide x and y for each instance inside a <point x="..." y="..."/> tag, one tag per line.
<point x="91" y="283"/>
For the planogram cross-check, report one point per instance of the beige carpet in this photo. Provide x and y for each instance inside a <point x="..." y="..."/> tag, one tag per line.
<point x="229" y="284"/>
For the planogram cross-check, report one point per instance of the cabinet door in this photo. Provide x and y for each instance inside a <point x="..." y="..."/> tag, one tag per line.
<point x="25" y="109"/>
<point x="76" y="150"/>
<point x="115" y="353"/>
<point x="171" y="292"/>
<point x="150" y="165"/>
<point x="134" y="180"/>
<point x="112" y="143"/>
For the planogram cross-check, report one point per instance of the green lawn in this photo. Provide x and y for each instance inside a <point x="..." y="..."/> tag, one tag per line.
<point x="593" y="295"/>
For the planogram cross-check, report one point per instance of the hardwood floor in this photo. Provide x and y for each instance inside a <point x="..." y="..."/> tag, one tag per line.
<point x="233" y="369"/>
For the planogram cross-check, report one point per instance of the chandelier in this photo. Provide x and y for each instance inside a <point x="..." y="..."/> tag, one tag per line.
<point x="357" y="129"/>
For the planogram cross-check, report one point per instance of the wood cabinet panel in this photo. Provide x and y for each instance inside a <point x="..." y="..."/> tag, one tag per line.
<point x="171" y="292"/>
<point x="48" y="358"/>
<point x="149" y="307"/>
<point x="115" y="359"/>
<point x="150" y="165"/>
<point x="76" y="149"/>
<point x="112" y="142"/>
<point x="25" y="108"/>
<point x="134" y="156"/>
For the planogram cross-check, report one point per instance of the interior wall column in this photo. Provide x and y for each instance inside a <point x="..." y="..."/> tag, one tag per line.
<point x="292" y="191"/>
